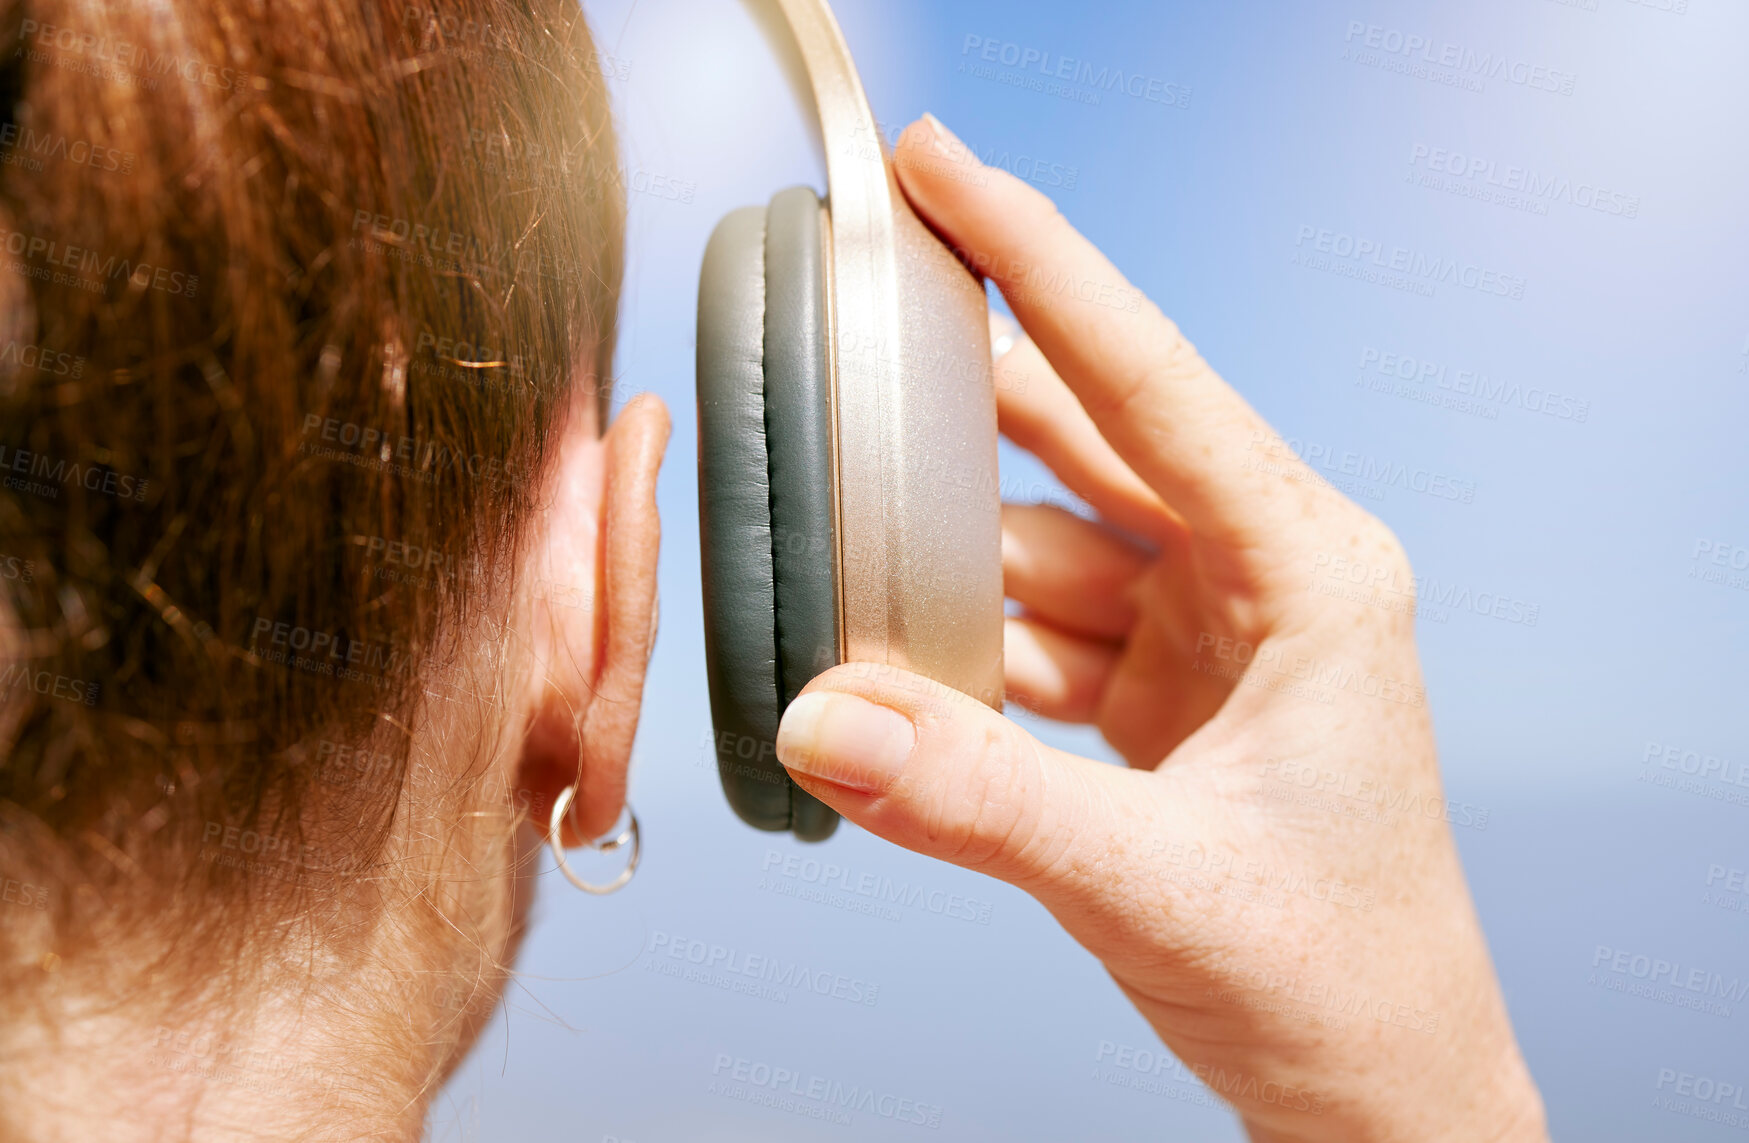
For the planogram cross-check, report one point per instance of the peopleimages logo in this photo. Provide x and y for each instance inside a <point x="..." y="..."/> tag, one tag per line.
<point x="1462" y="62"/>
<point x="30" y="148"/>
<point x="1729" y="563"/>
<point x="48" y="684"/>
<point x="1693" y="762"/>
<point x="1065" y="76"/>
<point x="734" y="970"/>
<point x="1471" y="383"/>
<point x="755" y="1081"/>
<point x="874" y="887"/>
<point x="41" y="358"/>
<point x="1670" y="981"/>
<point x="1701" y="1097"/>
<point x="1417" y="267"/>
<point x="42" y="474"/>
<point x="102" y="51"/>
<point x="90" y="269"/>
<point x="1370" y="790"/>
<point x="1232" y="1086"/>
<point x="325" y="652"/>
<point x="1534" y="185"/>
<point x="1339" y="463"/>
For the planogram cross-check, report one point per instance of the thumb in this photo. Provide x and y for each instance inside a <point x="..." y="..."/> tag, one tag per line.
<point x="938" y="772"/>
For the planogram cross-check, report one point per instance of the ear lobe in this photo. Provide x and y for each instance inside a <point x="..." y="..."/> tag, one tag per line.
<point x="587" y="715"/>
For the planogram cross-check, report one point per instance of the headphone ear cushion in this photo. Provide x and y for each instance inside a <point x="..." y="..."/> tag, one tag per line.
<point x="734" y="513"/>
<point x="767" y="543"/>
<point x="798" y="437"/>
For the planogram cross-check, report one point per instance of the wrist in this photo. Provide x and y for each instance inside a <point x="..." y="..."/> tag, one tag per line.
<point x="1503" y="1108"/>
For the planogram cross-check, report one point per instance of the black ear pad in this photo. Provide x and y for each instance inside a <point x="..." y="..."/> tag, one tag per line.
<point x="766" y="515"/>
<point x="798" y="434"/>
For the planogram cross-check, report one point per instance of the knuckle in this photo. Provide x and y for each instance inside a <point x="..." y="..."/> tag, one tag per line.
<point x="1178" y="359"/>
<point x="996" y="807"/>
<point x="1045" y="214"/>
<point x="1173" y="364"/>
<point x="1381" y="545"/>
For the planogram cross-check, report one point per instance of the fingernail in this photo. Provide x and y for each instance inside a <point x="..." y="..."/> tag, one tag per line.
<point x="845" y="740"/>
<point x="946" y="142"/>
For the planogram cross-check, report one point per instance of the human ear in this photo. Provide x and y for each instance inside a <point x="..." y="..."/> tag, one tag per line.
<point x="593" y="642"/>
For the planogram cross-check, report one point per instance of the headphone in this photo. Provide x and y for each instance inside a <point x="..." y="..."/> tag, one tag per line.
<point x="848" y="503"/>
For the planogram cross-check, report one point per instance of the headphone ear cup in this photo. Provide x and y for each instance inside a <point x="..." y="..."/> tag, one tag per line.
<point x="766" y="514"/>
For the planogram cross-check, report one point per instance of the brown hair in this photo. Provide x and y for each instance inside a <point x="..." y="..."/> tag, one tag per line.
<point x="293" y="298"/>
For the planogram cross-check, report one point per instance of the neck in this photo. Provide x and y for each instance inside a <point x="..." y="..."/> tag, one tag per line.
<point x="284" y="1070"/>
<point x="313" y="1045"/>
<point x="339" y="1020"/>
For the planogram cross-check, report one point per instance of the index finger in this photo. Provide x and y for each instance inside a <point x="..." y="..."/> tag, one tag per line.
<point x="1178" y="425"/>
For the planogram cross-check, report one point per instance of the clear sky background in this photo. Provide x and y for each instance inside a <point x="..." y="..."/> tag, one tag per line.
<point x="1638" y="311"/>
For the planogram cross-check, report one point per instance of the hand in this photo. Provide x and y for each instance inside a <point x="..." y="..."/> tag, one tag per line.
<point x="1273" y="881"/>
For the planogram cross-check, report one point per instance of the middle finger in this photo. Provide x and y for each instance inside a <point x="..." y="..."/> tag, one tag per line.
<point x="1038" y="412"/>
<point x="1072" y="572"/>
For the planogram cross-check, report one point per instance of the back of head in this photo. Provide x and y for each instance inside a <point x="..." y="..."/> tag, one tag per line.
<point x="292" y="299"/>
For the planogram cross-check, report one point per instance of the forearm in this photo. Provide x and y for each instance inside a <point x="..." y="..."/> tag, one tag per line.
<point x="1475" y="1088"/>
<point x="1509" y="1111"/>
<point x="1359" y="1080"/>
